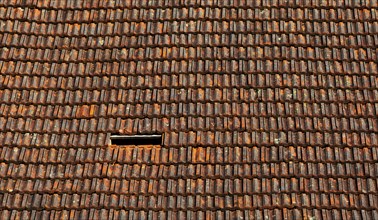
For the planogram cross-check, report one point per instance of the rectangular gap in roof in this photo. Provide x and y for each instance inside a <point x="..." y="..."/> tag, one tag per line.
<point x="154" y="139"/>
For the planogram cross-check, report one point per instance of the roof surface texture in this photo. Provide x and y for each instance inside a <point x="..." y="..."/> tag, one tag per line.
<point x="268" y="109"/>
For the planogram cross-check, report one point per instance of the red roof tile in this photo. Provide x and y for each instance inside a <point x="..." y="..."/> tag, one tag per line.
<point x="268" y="109"/>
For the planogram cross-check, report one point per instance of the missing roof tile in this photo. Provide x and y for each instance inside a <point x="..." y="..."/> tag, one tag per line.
<point x="154" y="139"/>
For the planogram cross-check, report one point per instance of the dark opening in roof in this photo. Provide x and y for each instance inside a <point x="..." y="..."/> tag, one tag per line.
<point x="154" y="139"/>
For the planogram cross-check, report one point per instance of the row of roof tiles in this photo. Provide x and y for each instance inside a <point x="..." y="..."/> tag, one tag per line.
<point x="193" y="155"/>
<point x="256" y="213"/>
<point x="198" y="138"/>
<point x="188" y="202"/>
<point x="83" y="4"/>
<point x="304" y="43"/>
<point x="187" y="123"/>
<point x="191" y="98"/>
<point x="191" y="53"/>
<point x="191" y="187"/>
<point x="211" y="83"/>
<point x="177" y="67"/>
<point x="225" y="112"/>
<point x="190" y="27"/>
<point x="177" y="14"/>
<point x="191" y="171"/>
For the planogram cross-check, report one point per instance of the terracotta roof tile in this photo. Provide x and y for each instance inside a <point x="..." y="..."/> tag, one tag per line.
<point x="268" y="109"/>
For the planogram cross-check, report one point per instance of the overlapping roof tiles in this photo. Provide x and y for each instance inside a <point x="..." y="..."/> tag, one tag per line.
<point x="268" y="109"/>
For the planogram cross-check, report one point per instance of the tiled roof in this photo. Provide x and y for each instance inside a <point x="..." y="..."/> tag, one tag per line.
<point x="268" y="109"/>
